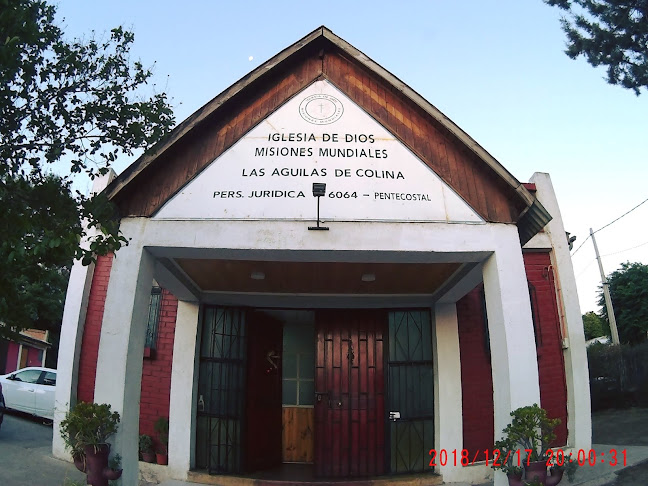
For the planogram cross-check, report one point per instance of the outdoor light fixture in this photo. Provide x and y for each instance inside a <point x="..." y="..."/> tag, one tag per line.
<point x="319" y="190"/>
<point x="257" y="275"/>
<point x="368" y="277"/>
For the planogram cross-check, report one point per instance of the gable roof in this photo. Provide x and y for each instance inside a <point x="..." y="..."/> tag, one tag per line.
<point x="458" y="159"/>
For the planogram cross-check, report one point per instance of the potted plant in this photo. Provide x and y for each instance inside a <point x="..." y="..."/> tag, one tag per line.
<point x="530" y="433"/>
<point x="161" y="426"/>
<point x="146" y="448"/>
<point x="85" y="431"/>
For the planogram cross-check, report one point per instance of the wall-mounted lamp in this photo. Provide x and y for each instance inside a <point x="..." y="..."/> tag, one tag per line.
<point x="319" y="190"/>
<point x="368" y="277"/>
<point x="256" y="275"/>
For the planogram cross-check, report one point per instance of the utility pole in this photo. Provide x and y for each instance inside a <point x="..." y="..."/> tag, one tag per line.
<point x="606" y="294"/>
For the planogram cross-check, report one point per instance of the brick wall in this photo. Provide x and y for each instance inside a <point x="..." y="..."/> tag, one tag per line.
<point x="551" y="366"/>
<point x="92" y="328"/>
<point x="476" y="375"/>
<point x="156" y="372"/>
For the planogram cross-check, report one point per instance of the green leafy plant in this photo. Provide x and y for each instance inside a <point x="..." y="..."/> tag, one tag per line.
<point x="569" y="466"/>
<point x="115" y="462"/>
<point x="145" y="443"/>
<point x="161" y="426"/>
<point x="530" y="431"/>
<point x="88" y="424"/>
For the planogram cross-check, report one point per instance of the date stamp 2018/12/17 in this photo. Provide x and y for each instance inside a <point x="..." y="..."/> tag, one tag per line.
<point x="495" y="457"/>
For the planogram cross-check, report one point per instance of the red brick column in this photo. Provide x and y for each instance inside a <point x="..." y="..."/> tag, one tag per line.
<point x="92" y="328"/>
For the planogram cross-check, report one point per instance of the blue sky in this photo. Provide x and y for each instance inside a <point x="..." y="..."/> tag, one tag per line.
<point x="495" y="67"/>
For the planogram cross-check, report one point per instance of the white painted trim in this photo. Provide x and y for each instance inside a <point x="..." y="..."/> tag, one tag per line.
<point x="72" y="325"/>
<point x="121" y="345"/>
<point x="579" y="420"/>
<point x="448" y="417"/>
<point x="513" y="353"/>
<point x="182" y="406"/>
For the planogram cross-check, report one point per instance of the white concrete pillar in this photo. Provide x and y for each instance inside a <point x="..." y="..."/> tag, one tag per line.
<point x="510" y="325"/>
<point x="579" y="417"/>
<point x="72" y="325"/>
<point x="448" y="419"/>
<point x="74" y="314"/>
<point x="182" y="406"/>
<point x="121" y="346"/>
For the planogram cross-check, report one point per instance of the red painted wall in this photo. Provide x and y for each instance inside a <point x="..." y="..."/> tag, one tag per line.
<point x="92" y="329"/>
<point x="34" y="356"/>
<point x="476" y="375"/>
<point x="551" y="365"/>
<point x="156" y="371"/>
<point x="12" y="357"/>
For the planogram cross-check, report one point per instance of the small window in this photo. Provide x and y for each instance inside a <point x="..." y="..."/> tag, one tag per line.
<point x="49" y="378"/>
<point x="28" y="376"/>
<point x="153" y="317"/>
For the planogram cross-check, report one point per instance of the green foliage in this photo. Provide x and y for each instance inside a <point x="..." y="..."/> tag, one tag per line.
<point x="618" y="375"/>
<point x="145" y="443"/>
<point x="529" y="429"/>
<point x="161" y="426"/>
<point x="593" y="325"/>
<point x="79" y="104"/>
<point x="629" y="292"/>
<point x="88" y="424"/>
<point x="612" y="33"/>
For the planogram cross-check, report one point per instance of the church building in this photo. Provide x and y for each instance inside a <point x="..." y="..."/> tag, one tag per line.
<point x="326" y="277"/>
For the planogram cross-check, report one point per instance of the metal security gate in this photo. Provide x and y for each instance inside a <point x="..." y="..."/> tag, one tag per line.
<point x="410" y="376"/>
<point x="349" y="390"/>
<point x="221" y="390"/>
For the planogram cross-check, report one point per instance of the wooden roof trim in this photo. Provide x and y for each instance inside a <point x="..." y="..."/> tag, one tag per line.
<point x="533" y="211"/>
<point x="204" y="112"/>
<point x="431" y="110"/>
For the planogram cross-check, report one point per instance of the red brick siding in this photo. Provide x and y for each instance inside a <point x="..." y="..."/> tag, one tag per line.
<point x="92" y="329"/>
<point x="551" y="366"/>
<point x="476" y="375"/>
<point x="156" y="371"/>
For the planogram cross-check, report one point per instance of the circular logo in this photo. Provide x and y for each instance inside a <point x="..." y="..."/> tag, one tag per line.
<point x="321" y="109"/>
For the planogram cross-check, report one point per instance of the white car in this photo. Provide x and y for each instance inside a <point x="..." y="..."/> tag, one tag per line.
<point x="30" y="390"/>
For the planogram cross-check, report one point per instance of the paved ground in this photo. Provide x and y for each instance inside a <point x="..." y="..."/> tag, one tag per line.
<point x="627" y="427"/>
<point x="26" y="459"/>
<point x="26" y="455"/>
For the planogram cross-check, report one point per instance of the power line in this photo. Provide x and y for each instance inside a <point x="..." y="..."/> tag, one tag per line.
<point x="627" y="249"/>
<point x="624" y="214"/>
<point x="603" y="227"/>
<point x="581" y="245"/>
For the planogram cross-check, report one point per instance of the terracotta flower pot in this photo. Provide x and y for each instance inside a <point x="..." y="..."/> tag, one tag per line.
<point x="80" y="462"/>
<point x="162" y="459"/>
<point x="536" y="471"/>
<point x="148" y="456"/>
<point x="112" y="473"/>
<point x="555" y="478"/>
<point x="515" y="479"/>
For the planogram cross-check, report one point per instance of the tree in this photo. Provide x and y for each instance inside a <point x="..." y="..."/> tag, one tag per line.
<point x="593" y="325"/>
<point x="80" y="104"/>
<point x="612" y="33"/>
<point x="629" y="292"/>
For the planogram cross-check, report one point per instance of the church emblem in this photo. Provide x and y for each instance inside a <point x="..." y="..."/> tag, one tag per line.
<point x="321" y="109"/>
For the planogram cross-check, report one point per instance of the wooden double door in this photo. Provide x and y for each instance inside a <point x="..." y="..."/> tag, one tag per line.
<point x="350" y="393"/>
<point x="367" y="364"/>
